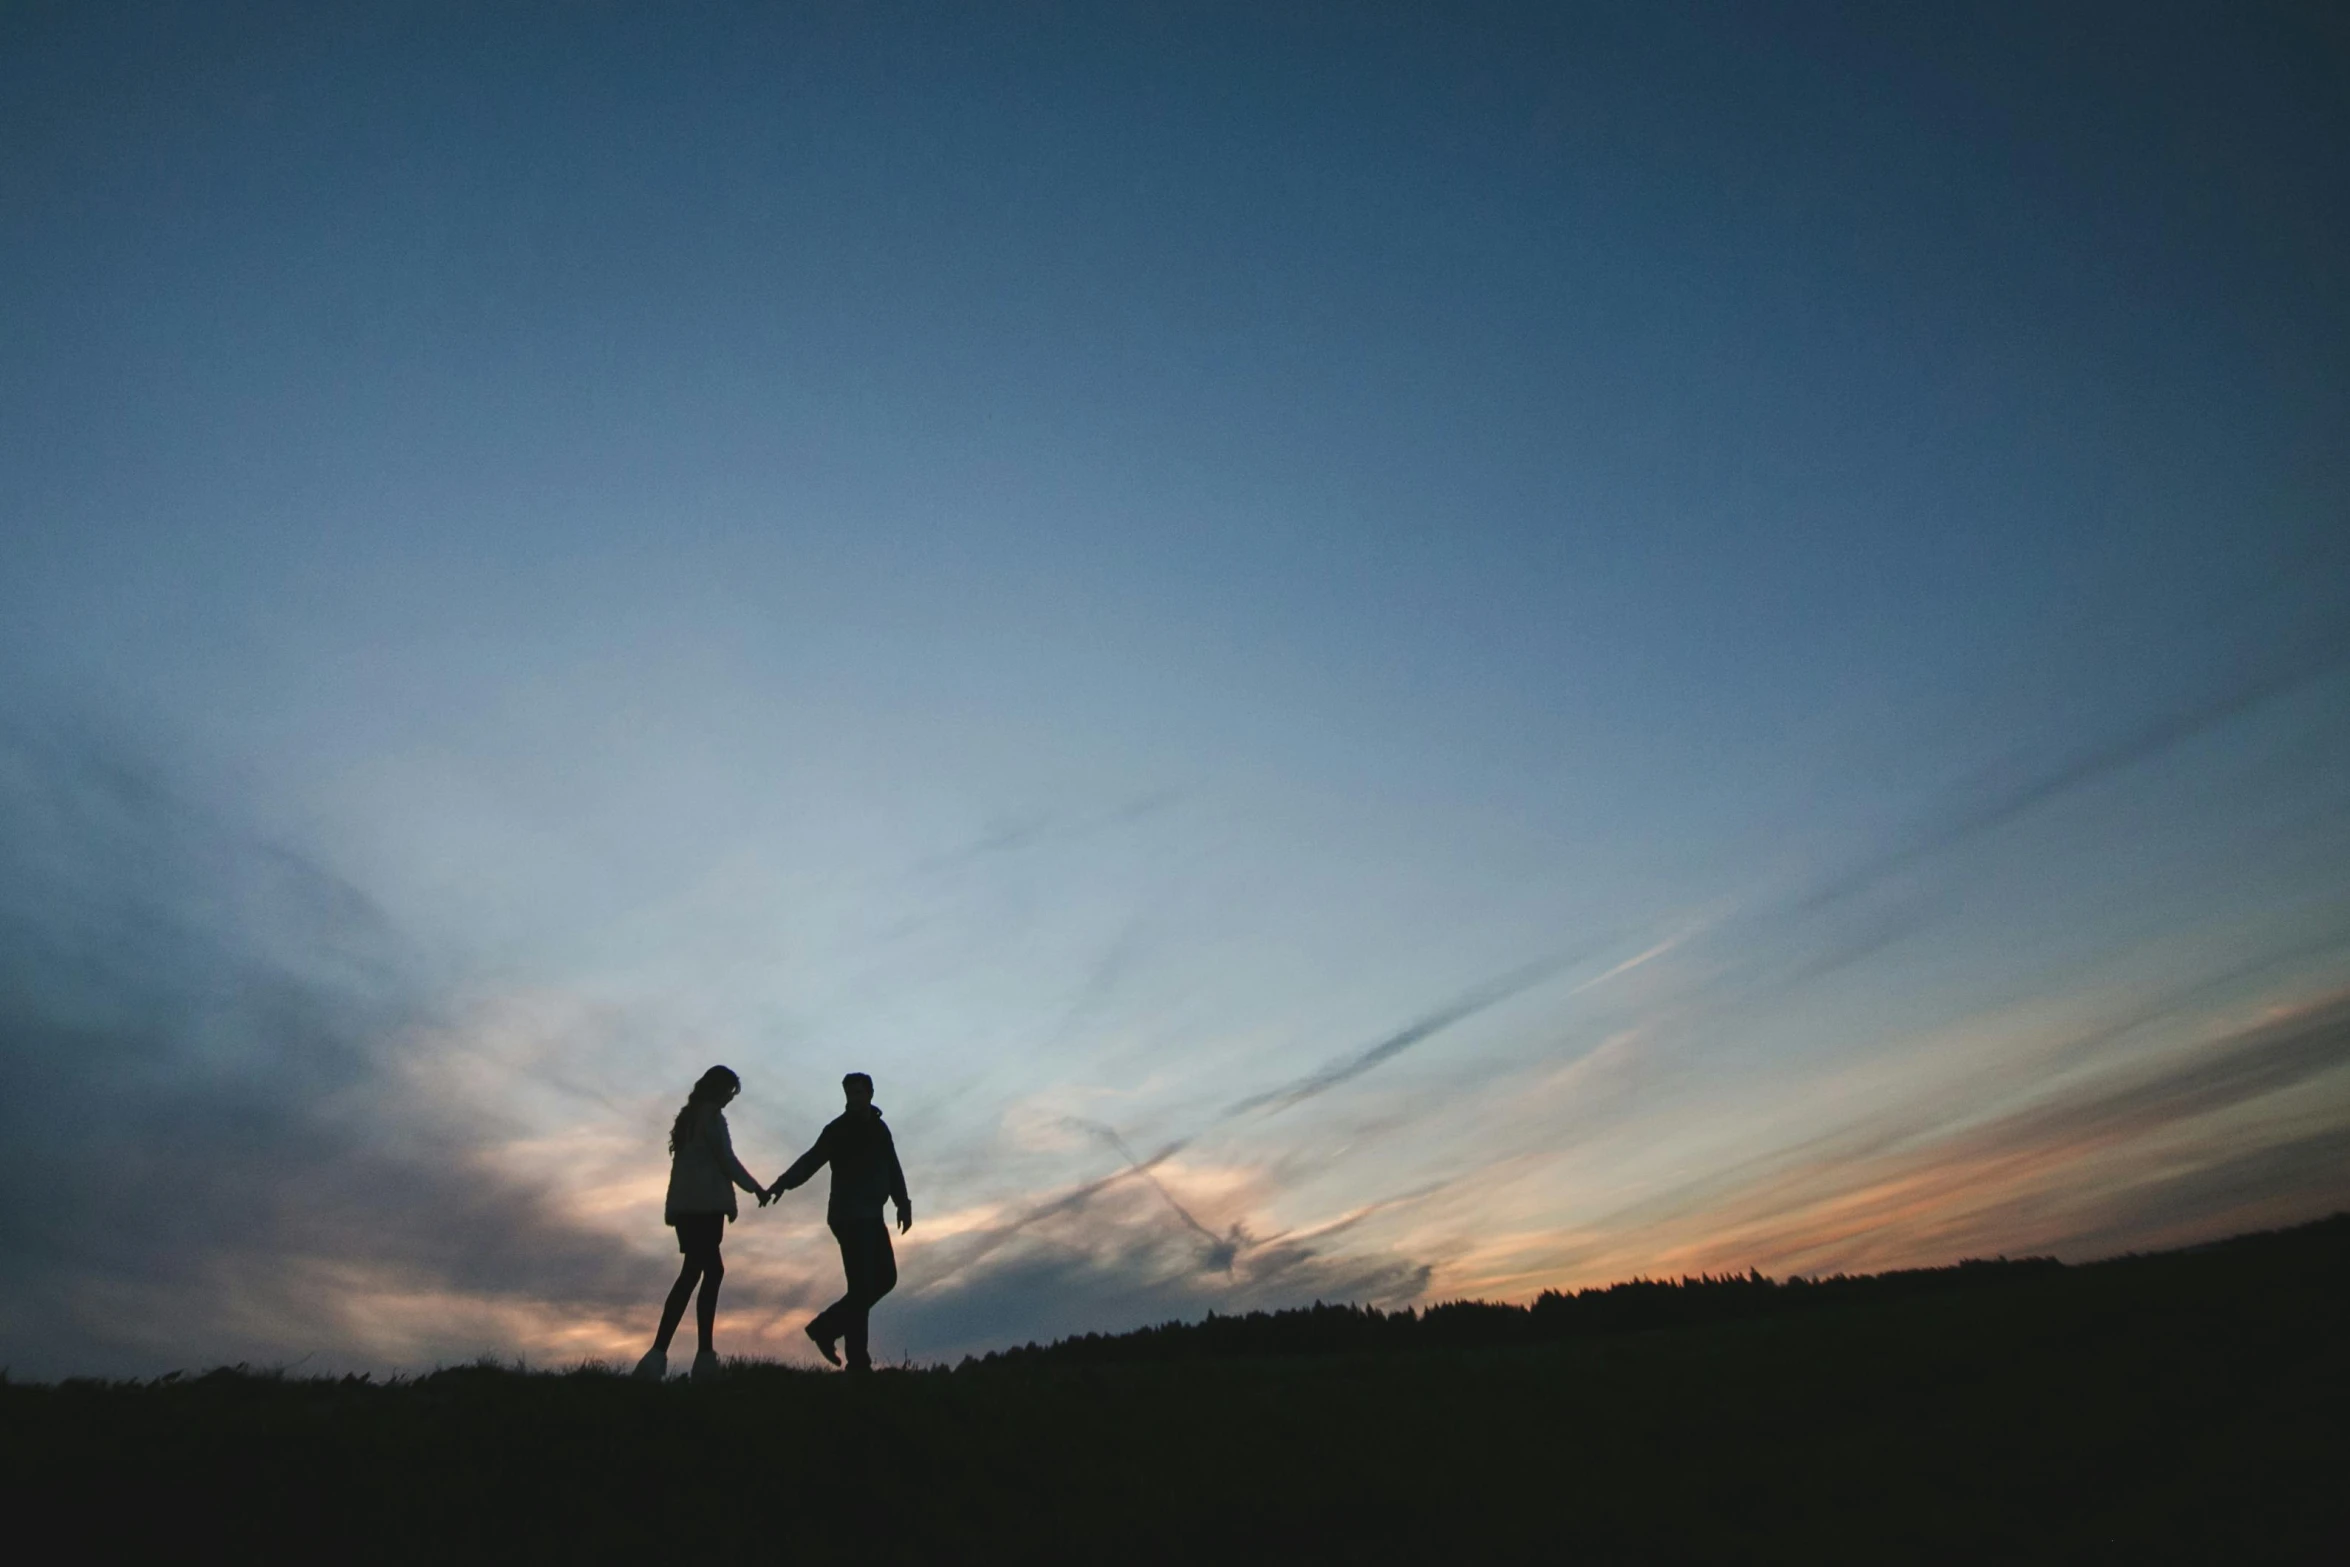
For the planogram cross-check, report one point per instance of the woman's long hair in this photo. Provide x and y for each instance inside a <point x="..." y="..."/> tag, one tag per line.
<point x="712" y="1089"/>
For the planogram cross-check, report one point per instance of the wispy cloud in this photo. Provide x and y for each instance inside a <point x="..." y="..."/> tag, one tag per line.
<point x="1994" y="805"/>
<point x="205" y="1132"/>
<point x="1290" y="1254"/>
<point x="1220" y="1248"/>
<point x="2138" y="1149"/>
<point x="1459" y="1010"/>
<point x="1120" y="1258"/>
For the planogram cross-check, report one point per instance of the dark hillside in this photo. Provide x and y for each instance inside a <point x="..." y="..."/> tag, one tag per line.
<point x="1635" y="1306"/>
<point x="2183" y="1407"/>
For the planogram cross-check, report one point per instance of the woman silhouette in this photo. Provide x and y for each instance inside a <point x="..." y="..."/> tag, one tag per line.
<point x="703" y="1173"/>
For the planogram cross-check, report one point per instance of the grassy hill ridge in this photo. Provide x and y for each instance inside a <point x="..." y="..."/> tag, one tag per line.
<point x="1631" y="1306"/>
<point x="2184" y="1406"/>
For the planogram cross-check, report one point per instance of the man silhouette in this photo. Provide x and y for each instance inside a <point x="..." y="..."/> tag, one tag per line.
<point x="864" y="1160"/>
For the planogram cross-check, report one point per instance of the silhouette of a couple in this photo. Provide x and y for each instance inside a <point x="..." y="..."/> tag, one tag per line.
<point x="703" y="1175"/>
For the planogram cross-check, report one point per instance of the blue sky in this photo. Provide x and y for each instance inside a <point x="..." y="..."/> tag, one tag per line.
<point x="1361" y="653"/>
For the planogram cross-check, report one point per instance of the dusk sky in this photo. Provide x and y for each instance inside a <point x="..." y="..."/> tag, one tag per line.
<point x="1376" y="653"/>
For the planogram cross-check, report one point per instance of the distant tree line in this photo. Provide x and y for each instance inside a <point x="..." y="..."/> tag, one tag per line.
<point x="1635" y="1306"/>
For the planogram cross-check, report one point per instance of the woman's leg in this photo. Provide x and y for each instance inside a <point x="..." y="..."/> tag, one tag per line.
<point x="673" y="1309"/>
<point x="706" y="1308"/>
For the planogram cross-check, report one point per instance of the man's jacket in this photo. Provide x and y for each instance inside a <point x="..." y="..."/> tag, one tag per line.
<point x="864" y="1160"/>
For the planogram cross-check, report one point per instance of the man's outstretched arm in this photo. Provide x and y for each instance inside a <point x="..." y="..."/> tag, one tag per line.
<point x="806" y="1164"/>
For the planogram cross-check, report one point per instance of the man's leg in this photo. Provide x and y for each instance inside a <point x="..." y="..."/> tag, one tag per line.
<point x="826" y="1326"/>
<point x="873" y="1274"/>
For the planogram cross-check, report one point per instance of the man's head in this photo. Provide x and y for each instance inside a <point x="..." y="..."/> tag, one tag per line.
<point x="859" y="1089"/>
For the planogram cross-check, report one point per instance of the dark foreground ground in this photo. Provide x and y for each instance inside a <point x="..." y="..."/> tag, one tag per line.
<point x="2184" y="1407"/>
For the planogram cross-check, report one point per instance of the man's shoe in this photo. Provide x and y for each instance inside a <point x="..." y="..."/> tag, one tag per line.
<point x="707" y="1367"/>
<point x="824" y="1342"/>
<point x="653" y="1367"/>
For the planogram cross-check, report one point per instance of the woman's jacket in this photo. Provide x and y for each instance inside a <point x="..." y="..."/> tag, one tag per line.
<point x="704" y="1172"/>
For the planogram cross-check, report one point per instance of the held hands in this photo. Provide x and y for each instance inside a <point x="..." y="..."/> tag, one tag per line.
<point x="768" y="1194"/>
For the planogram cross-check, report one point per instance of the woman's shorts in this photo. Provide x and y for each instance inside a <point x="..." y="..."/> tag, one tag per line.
<point x="700" y="1232"/>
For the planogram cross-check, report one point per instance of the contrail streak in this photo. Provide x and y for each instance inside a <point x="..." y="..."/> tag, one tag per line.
<point x="2147" y="740"/>
<point x="1459" y="1010"/>
<point x="1134" y="1166"/>
<point x="1273" y="1101"/>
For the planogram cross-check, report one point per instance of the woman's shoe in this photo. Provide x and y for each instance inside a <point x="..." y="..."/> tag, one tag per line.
<point x="653" y="1367"/>
<point x="706" y="1366"/>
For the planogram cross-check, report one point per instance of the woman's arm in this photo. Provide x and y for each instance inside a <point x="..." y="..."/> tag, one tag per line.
<point x="733" y="1166"/>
